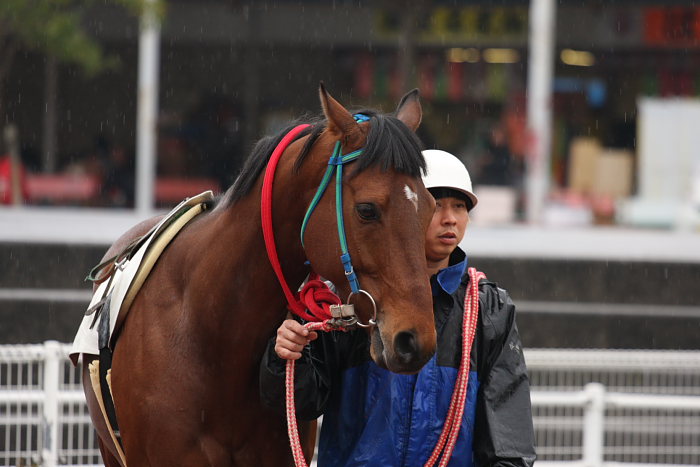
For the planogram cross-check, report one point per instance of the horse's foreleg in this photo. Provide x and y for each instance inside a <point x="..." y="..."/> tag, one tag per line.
<point x="107" y="457"/>
<point x="308" y="431"/>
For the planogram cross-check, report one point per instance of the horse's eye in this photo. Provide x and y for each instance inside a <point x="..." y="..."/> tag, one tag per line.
<point x="367" y="211"/>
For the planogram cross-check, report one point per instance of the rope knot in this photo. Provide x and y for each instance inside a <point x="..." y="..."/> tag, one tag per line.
<point x="316" y="297"/>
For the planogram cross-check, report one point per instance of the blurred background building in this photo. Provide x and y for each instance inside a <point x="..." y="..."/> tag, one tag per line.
<point x="232" y="71"/>
<point x="610" y="260"/>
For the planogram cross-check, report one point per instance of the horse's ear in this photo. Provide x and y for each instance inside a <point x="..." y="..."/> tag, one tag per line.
<point x="409" y="110"/>
<point x="340" y="122"/>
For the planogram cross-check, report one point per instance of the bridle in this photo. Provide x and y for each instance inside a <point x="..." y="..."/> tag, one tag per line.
<point x="338" y="313"/>
<point x="333" y="315"/>
<point x="342" y="316"/>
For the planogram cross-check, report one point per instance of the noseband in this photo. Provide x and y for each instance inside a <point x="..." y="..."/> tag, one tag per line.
<point x="340" y="313"/>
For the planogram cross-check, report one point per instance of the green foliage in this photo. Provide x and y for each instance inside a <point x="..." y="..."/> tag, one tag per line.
<point x="55" y="27"/>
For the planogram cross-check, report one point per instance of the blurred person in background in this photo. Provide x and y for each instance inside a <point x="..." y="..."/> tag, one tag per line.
<point x="374" y="417"/>
<point x="13" y="181"/>
<point x="214" y="133"/>
<point x="13" y="178"/>
<point x="497" y="165"/>
<point x="118" y="177"/>
<point x="501" y="166"/>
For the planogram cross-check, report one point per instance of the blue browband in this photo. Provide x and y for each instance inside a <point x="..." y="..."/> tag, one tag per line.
<point x="336" y="161"/>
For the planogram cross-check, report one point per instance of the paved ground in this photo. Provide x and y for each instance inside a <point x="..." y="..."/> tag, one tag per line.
<point x="91" y="226"/>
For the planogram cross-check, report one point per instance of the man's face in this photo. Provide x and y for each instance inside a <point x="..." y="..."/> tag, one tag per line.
<point x="446" y="229"/>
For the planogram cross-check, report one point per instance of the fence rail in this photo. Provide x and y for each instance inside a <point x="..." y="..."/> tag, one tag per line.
<point x="652" y="417"/>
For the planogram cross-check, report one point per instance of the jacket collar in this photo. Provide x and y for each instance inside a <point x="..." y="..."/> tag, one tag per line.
<point x="449" y="278"/>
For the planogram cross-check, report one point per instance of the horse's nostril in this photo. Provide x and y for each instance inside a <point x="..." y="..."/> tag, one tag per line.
<point x="406" y="346"/>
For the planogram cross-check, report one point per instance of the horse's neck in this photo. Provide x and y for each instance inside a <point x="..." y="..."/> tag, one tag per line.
<point x="241" y="231"/>
<point x="236" y="258"/>
<point x="238" y="249"/>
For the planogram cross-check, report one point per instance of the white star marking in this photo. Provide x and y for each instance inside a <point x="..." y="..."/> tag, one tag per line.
<point x="411" y="196"/>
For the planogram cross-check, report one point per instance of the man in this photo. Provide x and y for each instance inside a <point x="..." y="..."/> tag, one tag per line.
<point x="377" y="418"/>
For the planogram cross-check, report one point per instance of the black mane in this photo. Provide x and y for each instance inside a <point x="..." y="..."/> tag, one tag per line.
<point x="390" y="145"/>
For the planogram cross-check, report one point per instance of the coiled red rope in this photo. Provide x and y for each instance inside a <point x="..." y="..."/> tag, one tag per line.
<point x="453" y="421"/>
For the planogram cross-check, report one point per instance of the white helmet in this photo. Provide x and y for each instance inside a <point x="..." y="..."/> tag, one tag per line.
<point x="446" y="171"/>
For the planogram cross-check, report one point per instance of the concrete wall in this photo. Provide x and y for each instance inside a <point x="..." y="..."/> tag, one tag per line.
<point x="32" y="279"/>
<point x="561" y="303"/>
<point x="601" y="304"/>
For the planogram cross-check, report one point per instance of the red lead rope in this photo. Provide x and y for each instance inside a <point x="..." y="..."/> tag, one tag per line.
<point x="314" y="300"/>
<point x="315" y="296"/>
<point x="453" y="420"/>
<point x="292" y="428"/>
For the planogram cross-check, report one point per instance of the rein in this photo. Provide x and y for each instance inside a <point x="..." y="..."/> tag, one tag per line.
<point x="330" y="306"/>
<point x="266" y="213"/>
<point x="327" y="312"/>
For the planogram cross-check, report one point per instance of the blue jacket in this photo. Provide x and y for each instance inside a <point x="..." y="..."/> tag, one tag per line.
<point x="372" y="417"/>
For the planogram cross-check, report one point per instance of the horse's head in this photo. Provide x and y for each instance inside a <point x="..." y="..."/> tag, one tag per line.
<point x="386" y="211"/>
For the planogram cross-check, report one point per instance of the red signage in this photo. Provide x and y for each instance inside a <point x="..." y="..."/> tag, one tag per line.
<point x="675" y="26"/>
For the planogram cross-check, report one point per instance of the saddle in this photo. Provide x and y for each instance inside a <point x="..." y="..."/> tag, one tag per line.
<point x="121" y="277"/>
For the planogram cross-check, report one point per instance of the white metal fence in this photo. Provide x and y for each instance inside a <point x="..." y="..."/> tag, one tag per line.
<point x="43" y="416"/>
<point x="611" y="406"/>
<point x="590" y="407"/>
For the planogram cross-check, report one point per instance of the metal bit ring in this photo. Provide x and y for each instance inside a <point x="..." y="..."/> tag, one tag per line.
<point x="373" y="320"/>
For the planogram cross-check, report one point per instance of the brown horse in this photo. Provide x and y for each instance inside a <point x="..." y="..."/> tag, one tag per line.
<point x="185" y="364"/>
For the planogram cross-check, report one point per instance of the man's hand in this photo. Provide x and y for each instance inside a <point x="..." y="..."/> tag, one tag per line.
<point x="291" y="339"/>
